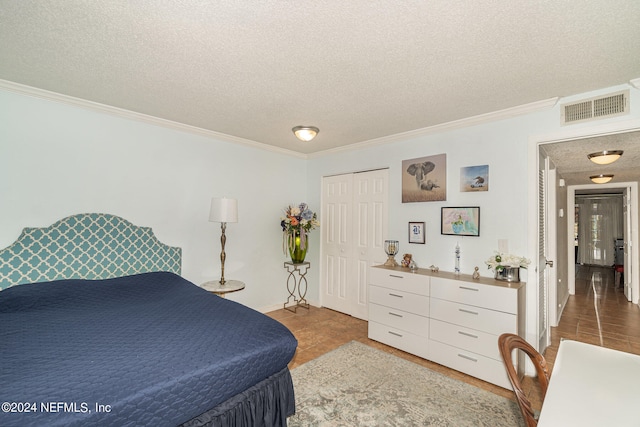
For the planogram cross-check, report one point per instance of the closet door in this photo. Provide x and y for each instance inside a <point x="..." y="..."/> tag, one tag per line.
<point x="336" y="240"/>
<point x="355" y="221"/>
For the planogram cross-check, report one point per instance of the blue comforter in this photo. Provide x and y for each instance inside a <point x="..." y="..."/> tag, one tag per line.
<point x="150" y="349"/>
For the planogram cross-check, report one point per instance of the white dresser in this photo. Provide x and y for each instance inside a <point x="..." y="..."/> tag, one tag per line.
<point x="399" y="309"/>
<point x="452" y="320"/>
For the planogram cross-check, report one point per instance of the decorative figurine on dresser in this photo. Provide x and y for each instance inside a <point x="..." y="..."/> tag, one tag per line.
<point x="406" y="260"/>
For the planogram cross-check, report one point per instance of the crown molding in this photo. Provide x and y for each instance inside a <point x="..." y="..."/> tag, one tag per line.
<point x="507" y="113"/>
<point x="635" y="83"/>
<point x="132" y="115"/>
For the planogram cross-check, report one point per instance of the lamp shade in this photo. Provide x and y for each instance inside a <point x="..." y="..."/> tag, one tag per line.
<point x="223" y="210"/>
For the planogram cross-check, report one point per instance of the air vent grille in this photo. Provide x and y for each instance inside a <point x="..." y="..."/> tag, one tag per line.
<point x="616" y="104"/>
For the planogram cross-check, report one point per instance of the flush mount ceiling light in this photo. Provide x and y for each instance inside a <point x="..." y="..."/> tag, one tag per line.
<point x="305" y="133"/>
<point x="601" y="179"/>
<point x="605" y="157"/>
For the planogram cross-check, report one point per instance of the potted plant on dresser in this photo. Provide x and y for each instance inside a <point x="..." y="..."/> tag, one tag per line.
<point x="507" y="266"/>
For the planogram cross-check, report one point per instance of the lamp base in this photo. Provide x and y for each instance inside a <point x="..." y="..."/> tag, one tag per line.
<point x="391" y="262"/>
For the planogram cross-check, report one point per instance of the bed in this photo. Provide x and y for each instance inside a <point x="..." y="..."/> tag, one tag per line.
<point x="97" y="327"/>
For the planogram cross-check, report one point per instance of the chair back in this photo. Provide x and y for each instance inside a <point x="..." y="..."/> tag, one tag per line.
<point x="507" y="343"/>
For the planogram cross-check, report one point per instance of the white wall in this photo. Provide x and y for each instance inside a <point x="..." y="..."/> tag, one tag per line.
<point x="562" y="245"/>
<point x="501" y="145"/>
<point x="57" y="160"/>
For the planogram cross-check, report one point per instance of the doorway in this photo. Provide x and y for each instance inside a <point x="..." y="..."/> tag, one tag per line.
<point x="538" y="307"/>
<point x="628" y="233"/>
<point x="600" y="223"/>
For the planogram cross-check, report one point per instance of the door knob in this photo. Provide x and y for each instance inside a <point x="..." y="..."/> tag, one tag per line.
<point x="549" y="263"/>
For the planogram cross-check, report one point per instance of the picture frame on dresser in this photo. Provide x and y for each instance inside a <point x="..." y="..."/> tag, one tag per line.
<point x="460" y="221"/>
<point x="416" y="232"/>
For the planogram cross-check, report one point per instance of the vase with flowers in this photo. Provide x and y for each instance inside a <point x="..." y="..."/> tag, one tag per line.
<point x="458" y="225"/>
<point x="296" y="224"/>
<point x="507" y="266"/>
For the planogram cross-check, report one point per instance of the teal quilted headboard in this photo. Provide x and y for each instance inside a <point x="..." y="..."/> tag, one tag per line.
<point x="85" y="246"/>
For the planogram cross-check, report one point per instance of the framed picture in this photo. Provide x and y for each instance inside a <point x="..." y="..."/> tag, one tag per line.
<point x="474" y="178"/>
<point x="460" y="221"/>
<point x="416" y="232"/>
<point x="424" y="179"/>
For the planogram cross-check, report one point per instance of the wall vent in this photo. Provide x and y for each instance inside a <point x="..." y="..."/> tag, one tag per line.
<point x="616" y="104"/>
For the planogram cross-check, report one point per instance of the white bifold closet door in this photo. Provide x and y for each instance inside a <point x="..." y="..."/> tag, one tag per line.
<point x="354" y="224"/>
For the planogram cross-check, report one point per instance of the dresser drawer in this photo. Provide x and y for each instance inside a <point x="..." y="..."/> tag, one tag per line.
<point x="417" y="325"/>
<point x="400" y="280"/>
<point x="402" y="340"/>
<point x="480" y="319"/>
<point x="470" y="363"/>
<point x="413" y="303"/>
<point x="465" y="338"/>
<point x="480" y="295"/>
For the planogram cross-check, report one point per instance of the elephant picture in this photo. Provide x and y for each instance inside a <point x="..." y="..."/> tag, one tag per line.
<point x="424" y="179"/>
<point x="420" y="171"/>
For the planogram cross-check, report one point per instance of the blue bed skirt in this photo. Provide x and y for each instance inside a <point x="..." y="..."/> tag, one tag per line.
<point x="266" y="404"/>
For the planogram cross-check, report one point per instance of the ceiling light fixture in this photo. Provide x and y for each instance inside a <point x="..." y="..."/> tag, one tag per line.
<point x="305" y="133"/>
<point x="601" y="179"/>
<point x="605" y="157"/>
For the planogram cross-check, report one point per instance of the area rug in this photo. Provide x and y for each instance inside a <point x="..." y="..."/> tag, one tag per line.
<point x="358" y="385"/>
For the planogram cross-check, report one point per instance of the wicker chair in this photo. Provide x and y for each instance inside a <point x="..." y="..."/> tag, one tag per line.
<point x="507" y="343"/>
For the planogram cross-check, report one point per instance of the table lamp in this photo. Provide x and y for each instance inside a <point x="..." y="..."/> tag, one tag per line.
<point x="391" y="247"/>
<point x="223" y="210"/>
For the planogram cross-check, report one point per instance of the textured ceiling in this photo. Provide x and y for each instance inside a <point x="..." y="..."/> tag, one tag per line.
<point x="358" y="70"/>
<point x="570" y="158"/>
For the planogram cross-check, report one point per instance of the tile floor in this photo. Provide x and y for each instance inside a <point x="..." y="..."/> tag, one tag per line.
<point x="320" y="330"/>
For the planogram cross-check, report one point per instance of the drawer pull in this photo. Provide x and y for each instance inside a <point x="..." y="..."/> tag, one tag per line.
<point x="396" y="334"/>
<point x="396" y="276"/>
<point x="468" y="311"/>
<point x="467" y="334"/>
<point x="396" y="295"/>
<point x="467" y="357"/>
<point x="468" y="289"/>
<point x="396" y="314"/>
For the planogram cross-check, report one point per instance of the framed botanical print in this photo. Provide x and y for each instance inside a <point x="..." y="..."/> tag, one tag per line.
<point x="463" y="221"/>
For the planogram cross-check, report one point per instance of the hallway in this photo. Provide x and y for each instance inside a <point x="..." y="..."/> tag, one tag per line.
<point x="598" y="314"/>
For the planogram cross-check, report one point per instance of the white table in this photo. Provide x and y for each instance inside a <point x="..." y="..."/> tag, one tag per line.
<point x="592" y="386"/>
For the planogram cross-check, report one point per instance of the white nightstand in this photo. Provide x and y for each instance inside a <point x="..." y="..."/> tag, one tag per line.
<point x="219" y="289"/>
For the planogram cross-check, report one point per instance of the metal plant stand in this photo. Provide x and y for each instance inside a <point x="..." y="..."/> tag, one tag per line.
<point x="297" y="273"/>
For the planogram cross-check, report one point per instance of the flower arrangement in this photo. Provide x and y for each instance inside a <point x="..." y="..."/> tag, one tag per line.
<point x="297" y="222"/>
<point x="499" y="261"/>
<point x="456" y="217"/>
<point x="458" y="221"/>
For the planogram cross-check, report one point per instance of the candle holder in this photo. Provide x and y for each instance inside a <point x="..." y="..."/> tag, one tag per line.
<point x="391" y="247"/>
